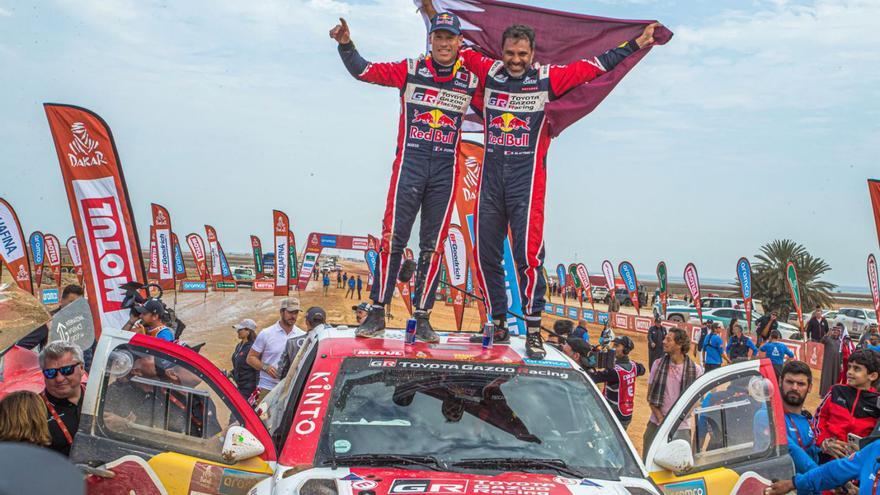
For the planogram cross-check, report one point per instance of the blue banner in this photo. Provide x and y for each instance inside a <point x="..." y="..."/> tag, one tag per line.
<point x="573" y="313"/>
<point x="50" y="296"/>
<point x="628" y="274"/>
<point x="548" y="307"/>
<point x="179" y="268"/>
<point x="603" y="318"/>
<point x="372" y="257"/>
<point x="589" y="316"/>
<point x="328" y="241"/>
<point x="224" y="266"/>
<point x="561" y="275"/>
<point x="744" y="273"/>
<point x="38" y="247"/>
<point x="560" y="310"/>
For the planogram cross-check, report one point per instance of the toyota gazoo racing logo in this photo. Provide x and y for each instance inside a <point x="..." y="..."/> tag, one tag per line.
<point x="507" y="123"/>
<point x="425" y="95"/>
<point x="83" y="150"/>
<point x="436" y="121"/>
<point x="106" y="234"/>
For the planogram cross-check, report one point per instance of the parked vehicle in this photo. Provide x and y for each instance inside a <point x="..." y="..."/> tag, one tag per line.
<point x="599" y="292"/>
<point x="243" y="275"/>
<point x="856" y="320"/>
<point x="725" y="315"/>
<point x="684" y="312"/>
<point x="623" y="298"/>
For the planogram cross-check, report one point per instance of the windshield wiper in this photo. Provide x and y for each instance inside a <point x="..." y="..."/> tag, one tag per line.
<point x="427" y="461"/>
<point x="522" y="463"/>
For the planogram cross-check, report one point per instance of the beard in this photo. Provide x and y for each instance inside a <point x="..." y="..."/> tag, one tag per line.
<point x="793" y="399"/>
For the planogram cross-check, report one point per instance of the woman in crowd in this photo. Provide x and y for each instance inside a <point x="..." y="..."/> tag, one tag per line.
<point x="23" y="419"/>
<point x="245" y="375"/>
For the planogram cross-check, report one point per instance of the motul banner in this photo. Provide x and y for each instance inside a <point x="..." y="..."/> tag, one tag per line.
<point x="73" y="251"/>
<point x="53" y="254"/>
<point x="584" y="276"/>
<point x="292" y="262"/>
<point x="257" y="249"/>
<point x="663" y="281"/>
<point x="873" y="283"/>
<point x="153" y="270"/>
<point x="179" y="265"/>
<point x="874" y="192"/>
<point x="281" y="227"/>
<point x="100" y="208"/>
<point x="608" y="271"/>
<point x="744" y="274"/>
<point x="38" y="251"/>
<point x="214" y="248"/>
<point x="164" y="246"/>
<point x="13" y="250"/>
<point x="692" y="281"/>
<point x="792" y="279"/>
<point x="628" y="274"/>
<point x="455" y="257"/>
<point x="197" y="248"/>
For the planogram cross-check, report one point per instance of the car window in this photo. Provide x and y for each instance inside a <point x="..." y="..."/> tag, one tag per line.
<point x="860" y="314"/>
<point x="724" y="313"/>
<point x="872" y="315"/>
<point x="729" y="423"/>
<point x="831" y="315"/>
<point x="156" y="400"/>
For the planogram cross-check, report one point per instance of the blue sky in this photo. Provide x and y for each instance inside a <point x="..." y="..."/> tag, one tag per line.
<point x="759" y="120"/>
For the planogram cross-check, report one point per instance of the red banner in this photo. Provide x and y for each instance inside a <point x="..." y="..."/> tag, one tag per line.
<point x="164" y="246"/>
<point x="53" y="255"/>
<point x="608" y="271"/>
<point x="874" y="191"/>
<point x="692" y="280"/>
<point x="153" y="270"/>
<point x="13" y="249"/>
<point x="100" y="209"/>
<point x="455" y="257"/>
<point x="214" y="249"/>
<point x="470" y="169"/>
<point x="75" y="258"/>
<point x="586" y="286"/>
<point x="873" y="283"/>
<point x="281" y="227"/>
<point x="197" y="248"/>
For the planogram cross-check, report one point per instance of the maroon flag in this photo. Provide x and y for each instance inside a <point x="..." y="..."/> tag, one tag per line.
<point x="561" y="38"/>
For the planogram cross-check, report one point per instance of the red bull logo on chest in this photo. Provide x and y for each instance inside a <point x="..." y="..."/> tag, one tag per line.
<point x="507" y="123"/>
<point x="436" y="121"/>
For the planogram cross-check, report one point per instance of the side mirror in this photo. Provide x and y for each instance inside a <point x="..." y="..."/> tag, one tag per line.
<point x="240" y="444"/>
<point x="676" y="456"/>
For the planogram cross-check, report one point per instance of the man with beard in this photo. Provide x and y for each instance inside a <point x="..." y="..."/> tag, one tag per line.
<point x="795" y="383"/>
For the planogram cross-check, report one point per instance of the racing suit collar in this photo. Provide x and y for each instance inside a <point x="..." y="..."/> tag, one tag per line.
<point x="429" y="62"/>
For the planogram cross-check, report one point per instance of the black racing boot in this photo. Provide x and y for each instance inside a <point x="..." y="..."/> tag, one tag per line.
<point x="407" y="269"/>
<point x="374" y="325"/>
<point x="535" y="344"/>
<point x="424" y="331"/>
<point x="502" y="334"/>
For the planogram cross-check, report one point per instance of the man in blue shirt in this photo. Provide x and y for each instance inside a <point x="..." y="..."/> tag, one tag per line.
<point x="739" y="346"/>
<point x="713" y="348"/>
<point x="776" y="351"/>
<point x="581" y="331"/>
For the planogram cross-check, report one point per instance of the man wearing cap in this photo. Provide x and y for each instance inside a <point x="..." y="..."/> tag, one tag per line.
<point x="270" y="343"/>
<point x="435" y="92"/>
<point x="151" y="323"/>
<point x="316" y="319"/>
<point x="245" y="375"/>
<point x="360" y="312"/>
<point x="620" y="381"/>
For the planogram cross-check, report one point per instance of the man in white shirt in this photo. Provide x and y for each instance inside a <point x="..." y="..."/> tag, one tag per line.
<point x="267" y="349"/>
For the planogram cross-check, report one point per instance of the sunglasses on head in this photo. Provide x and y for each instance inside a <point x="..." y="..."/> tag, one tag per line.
<point x="64" y="370"/>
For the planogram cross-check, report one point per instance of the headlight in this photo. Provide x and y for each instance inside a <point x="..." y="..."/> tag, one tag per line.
<point x="319" y="487"/>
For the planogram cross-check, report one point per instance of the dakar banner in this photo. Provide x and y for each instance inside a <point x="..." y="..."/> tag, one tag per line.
<point x="608" y="271"/>
<point x="281" y="227"/>
<point x="179" y="265"/>
<point x="73" y="251"/>
<point x="257" y="249"/>
<point x="584" y="276"/>
<point x="13" y="250"/>
<point x="455" y="257"/>
<point x="744" y="274"/>
<point x="317" y="242"/>
<point x="153" y="270"/>
<point x="164" y="246"/>
<point x="628" y="274"/>
<point x="663" y="281"/>
<point x="562" y="38"/>
<point x="292" y="263"/>
<point x="197" y="248"/>
<point x="53" y="254"/>
<point x="874" y="191"/>
<point x="792" y="280"/>
<point x="470" y="169"/>
<point x="100" y="209"/>
<point x="692" y="280"/>
<point x="214" y="249"/>
<point x="38" y="250"/>
<point x="873" y="283"/>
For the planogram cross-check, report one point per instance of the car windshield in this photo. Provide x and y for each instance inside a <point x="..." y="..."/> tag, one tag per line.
<point x="456" y="412"/>
<point x="872" y="315"/>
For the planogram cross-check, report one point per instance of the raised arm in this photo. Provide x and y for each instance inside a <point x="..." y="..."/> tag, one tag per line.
<point x="391" y="74"/>
<point x="564" y="78"/>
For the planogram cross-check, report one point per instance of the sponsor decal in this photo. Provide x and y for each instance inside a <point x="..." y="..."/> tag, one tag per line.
<point x="516" y="102"/>
<point x="450" y="101"/>
<point x="263" y="285"/>
<point x="508" y="122"/>
<point x="193" y="286"/>
<point x="210" y="478"/>
<point x="589" y="315"/>
<point x="383" y="363"/>
<point x="643" y="324"/>
<point x="603" y="318"/>
<point x="690" y="487"/>
<point x="548" y="307"/>
<point x="49" y="296"/>
<point x="359" y="484"/>
<point x="404" y="486"/>
<point x="493" y="487"/>
<point x="313" y="401"/>
<point x="328" y="241"/>
<point x="546" y="362"/>
<point x="106" y="234"/>
<point x="573" y="313"/>
<point x="692" y="280"/>
<point x="378" y="352"/>
<point x="560" y="310"/>
<point x="628" y="274"/>
<point x="562" y="480"/>
<point x="620" y="321"/>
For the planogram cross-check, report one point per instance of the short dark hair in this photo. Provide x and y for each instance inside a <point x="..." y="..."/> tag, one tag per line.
<point x="867" y="358"/>
<point x="681" y="338"/>
<point x="519" y="32"/>
<point x="797" y="368"/>
<point x="72" y="289"/>
<point x="563" y="327"/>
<point x="775" y="334"/>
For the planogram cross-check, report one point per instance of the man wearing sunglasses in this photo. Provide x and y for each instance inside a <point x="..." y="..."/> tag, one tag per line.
<point x="62" y="365"/>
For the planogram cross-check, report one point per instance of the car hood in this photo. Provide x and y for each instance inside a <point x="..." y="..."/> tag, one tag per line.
<point x="389" y="481"/>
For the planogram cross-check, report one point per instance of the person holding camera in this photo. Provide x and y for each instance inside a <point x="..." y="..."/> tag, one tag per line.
<point x="620" y="380"/>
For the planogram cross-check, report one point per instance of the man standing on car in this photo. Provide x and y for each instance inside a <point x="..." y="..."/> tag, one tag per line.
<point x="435" y="92"/>
<point x="513" y="176"/>
<point x="656" y="334"/>
<point x="62" y="365"/>
<point x="266" y="350"/>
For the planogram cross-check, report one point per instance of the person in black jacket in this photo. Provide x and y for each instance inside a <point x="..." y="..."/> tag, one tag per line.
<point x="765" y="325"/>
<point x="817" y="327"/>
<point x="245" y="375"/>
<point x="656" y="334"/>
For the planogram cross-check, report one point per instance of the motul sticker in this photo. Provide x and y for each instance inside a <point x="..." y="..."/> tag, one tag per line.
<point x="106" y="236"/>
<point x="378" y="352"/>
<point x="429" y="486"/>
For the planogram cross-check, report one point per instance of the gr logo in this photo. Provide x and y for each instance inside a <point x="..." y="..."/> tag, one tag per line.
<point x="428" y="486"/>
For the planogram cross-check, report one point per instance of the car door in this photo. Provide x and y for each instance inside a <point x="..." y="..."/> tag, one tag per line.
<point x="158" y="414"/>
<point x="725" y="435"/>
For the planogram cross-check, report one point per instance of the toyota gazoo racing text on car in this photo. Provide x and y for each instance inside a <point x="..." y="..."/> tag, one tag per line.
<point x="378" y="417"/>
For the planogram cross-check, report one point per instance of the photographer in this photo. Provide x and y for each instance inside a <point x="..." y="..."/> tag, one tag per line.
<point x="620" y="380"/>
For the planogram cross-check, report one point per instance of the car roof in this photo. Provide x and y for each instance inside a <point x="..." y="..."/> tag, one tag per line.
<point x="341" y="342"/>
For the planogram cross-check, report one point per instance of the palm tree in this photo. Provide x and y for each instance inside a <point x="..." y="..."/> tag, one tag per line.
<point x="769" y="280"/>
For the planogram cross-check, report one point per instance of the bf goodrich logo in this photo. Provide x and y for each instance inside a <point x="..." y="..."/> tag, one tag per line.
<point x="83" y="149"/>
<point x="428" y="486"/>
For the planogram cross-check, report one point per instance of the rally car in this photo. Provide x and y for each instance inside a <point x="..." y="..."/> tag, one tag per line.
<point x="378" y="417"/>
